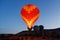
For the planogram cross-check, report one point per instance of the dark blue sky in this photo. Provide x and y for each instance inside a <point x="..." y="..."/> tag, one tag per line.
<point x="11" y="21"/>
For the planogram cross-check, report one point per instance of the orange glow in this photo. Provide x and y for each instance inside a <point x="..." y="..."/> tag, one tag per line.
<point x="30" y="14"/>
<point x="30" y="23"/>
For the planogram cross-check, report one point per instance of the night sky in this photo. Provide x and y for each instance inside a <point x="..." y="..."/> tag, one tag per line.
<point x="10" y="17"/>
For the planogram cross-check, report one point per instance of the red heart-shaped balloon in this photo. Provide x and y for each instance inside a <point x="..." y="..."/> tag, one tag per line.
<point x="30" y="14"/>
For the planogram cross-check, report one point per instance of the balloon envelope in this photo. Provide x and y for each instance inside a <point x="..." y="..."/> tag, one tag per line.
<point x="30" y="14"/>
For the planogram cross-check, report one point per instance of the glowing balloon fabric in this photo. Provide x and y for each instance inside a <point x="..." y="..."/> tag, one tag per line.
<point x="30" y="14"/>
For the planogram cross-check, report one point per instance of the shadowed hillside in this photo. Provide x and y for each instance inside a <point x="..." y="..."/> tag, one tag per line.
<point x="41" y="34"/>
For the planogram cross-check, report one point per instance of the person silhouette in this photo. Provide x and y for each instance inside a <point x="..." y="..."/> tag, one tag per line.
<point x="36" y="28"/>
<point x="41" y="28"/>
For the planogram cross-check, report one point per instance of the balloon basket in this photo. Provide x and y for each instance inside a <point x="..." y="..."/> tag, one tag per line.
<point x="29" y="29"/>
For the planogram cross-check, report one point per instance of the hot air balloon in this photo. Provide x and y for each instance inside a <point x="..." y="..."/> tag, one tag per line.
<point x="30" y="13"/>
